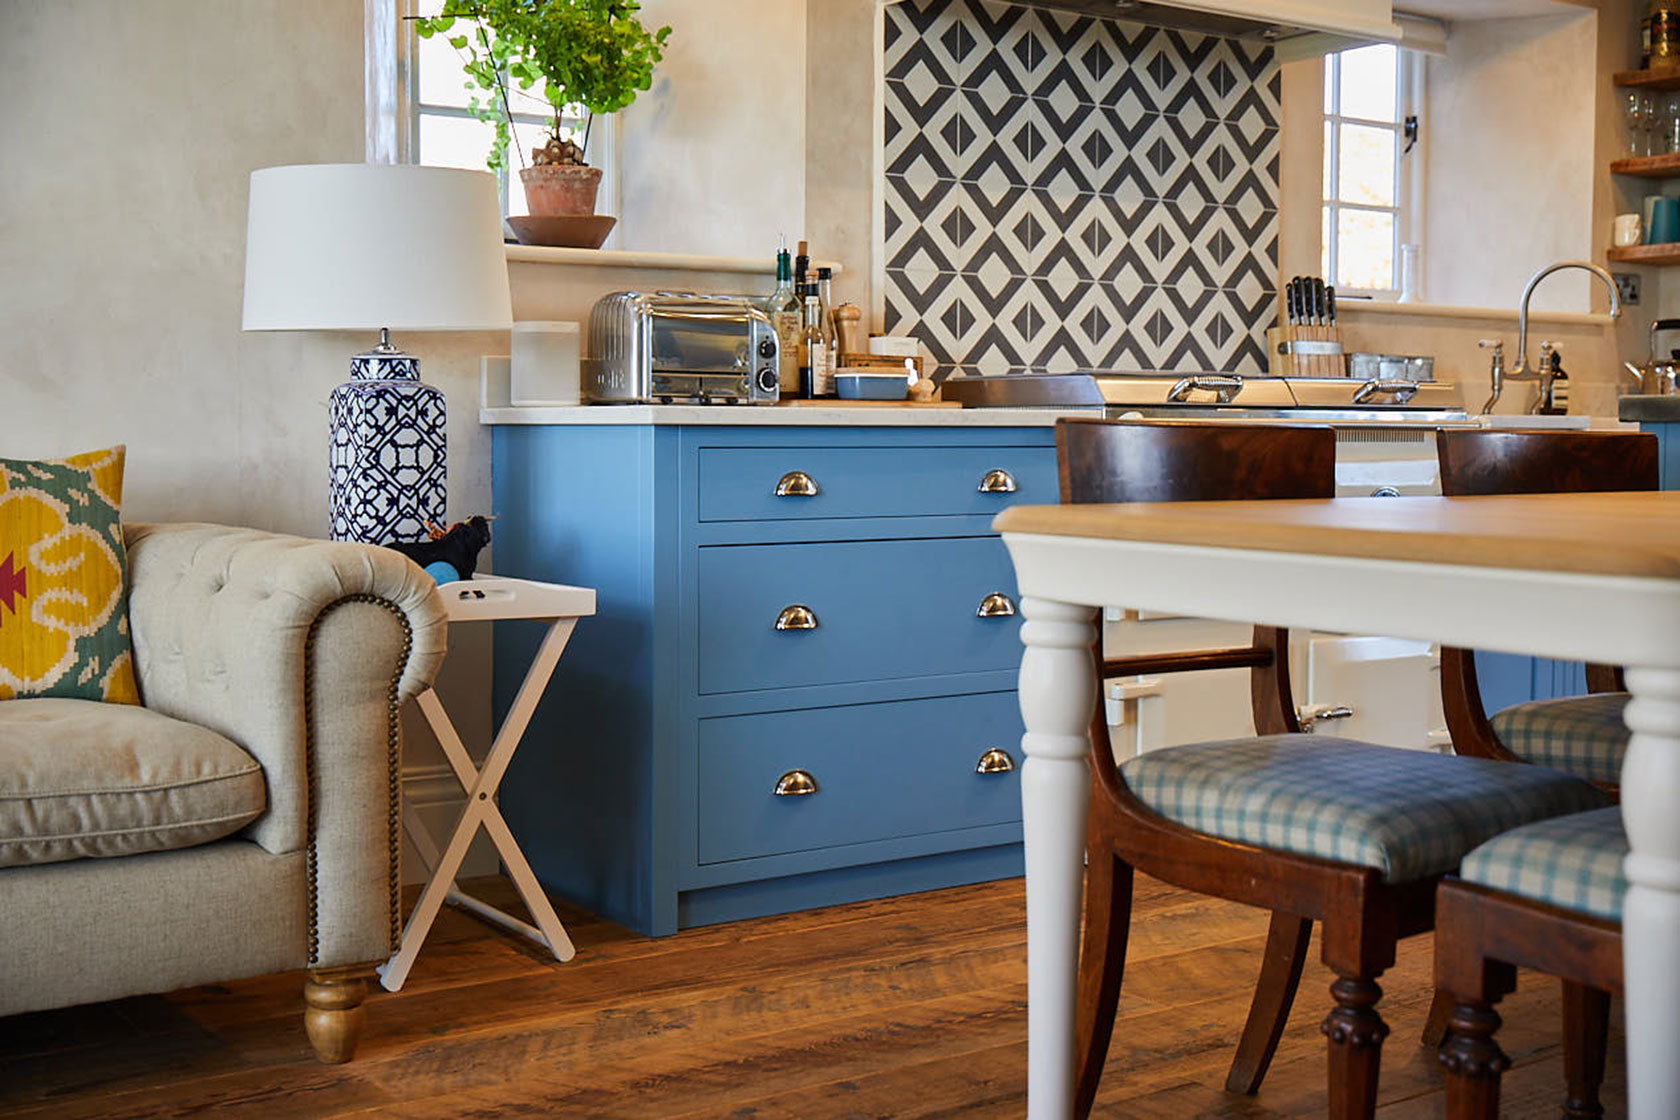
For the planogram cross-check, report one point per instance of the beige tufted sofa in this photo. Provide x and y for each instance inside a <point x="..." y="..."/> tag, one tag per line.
<point x="291" y="654"/>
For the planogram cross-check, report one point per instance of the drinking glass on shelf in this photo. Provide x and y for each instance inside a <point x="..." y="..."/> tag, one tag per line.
<point x="1671" y="123"/>
<point x="1648" y="111"/>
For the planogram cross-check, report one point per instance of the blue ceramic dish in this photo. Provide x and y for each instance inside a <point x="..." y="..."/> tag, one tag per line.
<point x="871" y="386"/>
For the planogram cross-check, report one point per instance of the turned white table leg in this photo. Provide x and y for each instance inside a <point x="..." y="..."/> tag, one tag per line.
<point x="1651" y="910"/>
<point x="1058" y="690"/>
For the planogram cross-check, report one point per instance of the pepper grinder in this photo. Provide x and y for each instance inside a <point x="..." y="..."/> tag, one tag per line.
<point x="848" y="328"/>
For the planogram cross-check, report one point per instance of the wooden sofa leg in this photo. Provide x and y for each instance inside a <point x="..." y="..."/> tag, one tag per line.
<point x="333" y="1016"/>
<point x="1586" y="1030"/>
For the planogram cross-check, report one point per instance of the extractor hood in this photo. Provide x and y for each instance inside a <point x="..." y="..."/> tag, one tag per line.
<point x="1270" y="20"/>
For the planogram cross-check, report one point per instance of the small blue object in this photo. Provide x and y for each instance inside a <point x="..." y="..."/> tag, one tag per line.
<point x="442" y="571"/>
<point x="871" y="386"/>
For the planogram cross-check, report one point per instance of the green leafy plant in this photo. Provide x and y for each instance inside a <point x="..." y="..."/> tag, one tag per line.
<point x="593" y="53"/>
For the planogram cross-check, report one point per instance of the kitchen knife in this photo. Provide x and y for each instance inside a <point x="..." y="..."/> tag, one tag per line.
<point x="1297" y="301"/>
<point x="1330" y="303"/>
<point x="1289" y="302"/>
<point x="1318" y="300"/>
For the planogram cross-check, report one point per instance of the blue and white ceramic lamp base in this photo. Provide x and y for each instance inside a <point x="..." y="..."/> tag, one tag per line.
<point x="388" y="461"/>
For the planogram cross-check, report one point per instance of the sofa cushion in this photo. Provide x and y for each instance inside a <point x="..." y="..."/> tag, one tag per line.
<point x="64" y="580"/>
<point x="1409" y="814"/>
<point x="79" y="778"/>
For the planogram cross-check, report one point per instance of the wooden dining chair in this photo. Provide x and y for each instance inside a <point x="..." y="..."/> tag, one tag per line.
<point x="1546" y="896"/>
<point x="1310" y="827"/>
<point x="1580" y="735"/>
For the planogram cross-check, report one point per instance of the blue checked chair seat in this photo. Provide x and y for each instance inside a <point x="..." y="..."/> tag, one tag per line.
<point x="1580" y="735"/>
<point x="1408" y="814"/>
<point x="1573" y="863"/>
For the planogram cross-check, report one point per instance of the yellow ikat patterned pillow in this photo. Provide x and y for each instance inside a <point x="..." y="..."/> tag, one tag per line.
<point x="64" y="580"/>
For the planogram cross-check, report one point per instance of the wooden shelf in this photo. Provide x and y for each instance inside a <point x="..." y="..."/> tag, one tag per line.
<point x="1667" y="253"/>
<point x="1654" y="80"/>
<point x="1666" y="166"/>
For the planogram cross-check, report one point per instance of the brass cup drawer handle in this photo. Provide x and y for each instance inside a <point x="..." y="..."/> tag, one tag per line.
<point x="796" y="617"/>
<point x="995" y="605"/>
<point x="797" y="484"/>
<point x="998" y="481"/>
<point x="796" y="783"/>
<point x="994" y="761"/>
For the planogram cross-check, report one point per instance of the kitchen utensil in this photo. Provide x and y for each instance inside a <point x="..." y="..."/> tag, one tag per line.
<point x="1318" y="316"/>
<point x="1330" y="303"/>
<point x="1625" y="230"/>
<point x="1391" y="367"/>
<point x="1658" y="377"/>
<point x="854" y="385"/>
<point x="848" y="327"/>
<point x="1665" y="221"/>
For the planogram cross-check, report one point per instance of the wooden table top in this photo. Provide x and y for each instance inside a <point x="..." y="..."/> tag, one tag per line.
<point x="1622" y="534"/>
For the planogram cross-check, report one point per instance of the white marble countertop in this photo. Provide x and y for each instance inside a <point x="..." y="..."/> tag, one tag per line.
<point x="905" y="416"/>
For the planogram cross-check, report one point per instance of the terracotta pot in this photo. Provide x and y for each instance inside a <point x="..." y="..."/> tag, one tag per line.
<point x="562" y="189"/>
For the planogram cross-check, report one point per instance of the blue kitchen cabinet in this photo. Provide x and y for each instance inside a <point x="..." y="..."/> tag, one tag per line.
<point x="644" y="790"/>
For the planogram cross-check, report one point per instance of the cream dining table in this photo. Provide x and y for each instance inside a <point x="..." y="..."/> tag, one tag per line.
<point x="1591" y="577"/>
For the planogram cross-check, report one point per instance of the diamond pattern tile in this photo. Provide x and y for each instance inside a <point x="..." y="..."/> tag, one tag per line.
<point x="1069" y="192"/>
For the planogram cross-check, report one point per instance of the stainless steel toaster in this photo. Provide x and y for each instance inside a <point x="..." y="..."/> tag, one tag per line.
<point x="647" y="347"/>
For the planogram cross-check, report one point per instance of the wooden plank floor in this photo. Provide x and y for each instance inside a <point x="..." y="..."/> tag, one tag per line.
<point x="905" y="1007"/>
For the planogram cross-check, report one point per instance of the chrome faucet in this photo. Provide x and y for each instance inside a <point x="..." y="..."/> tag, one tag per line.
<point x="1521" y="370"/>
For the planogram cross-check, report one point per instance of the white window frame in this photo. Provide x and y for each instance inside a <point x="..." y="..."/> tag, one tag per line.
<point x="394" y="107"/>
<point x="1408" y="167"/>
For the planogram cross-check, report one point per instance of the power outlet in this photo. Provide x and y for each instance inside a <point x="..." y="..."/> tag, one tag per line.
<point x="1627" y="286"/>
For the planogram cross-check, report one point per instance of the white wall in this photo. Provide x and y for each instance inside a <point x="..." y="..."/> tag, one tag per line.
<point x="714" y="154"/>
<point x="1510" y="133"/>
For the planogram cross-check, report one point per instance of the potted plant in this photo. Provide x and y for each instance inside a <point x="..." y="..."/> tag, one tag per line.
<point x="592" y="53"/>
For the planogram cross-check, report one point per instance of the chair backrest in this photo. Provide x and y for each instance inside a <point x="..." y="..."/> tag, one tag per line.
<point x="1175" y="460"/>
<point x="1477" y="461"/>
<point x="1192" y="461"/>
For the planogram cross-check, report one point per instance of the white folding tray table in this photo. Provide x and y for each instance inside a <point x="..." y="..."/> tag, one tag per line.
<point x="484" y="599"/>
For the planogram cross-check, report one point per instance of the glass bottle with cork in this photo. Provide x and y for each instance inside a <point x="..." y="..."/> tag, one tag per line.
<point x="815" y="378"/>
<point x="787" y="315"/>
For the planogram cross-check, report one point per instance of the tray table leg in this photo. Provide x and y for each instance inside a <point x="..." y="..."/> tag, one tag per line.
<point x="482" y="812"/>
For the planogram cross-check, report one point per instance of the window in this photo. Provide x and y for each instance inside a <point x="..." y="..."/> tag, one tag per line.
<point x="444" y="133"/>
<point x="1371" y="162"/>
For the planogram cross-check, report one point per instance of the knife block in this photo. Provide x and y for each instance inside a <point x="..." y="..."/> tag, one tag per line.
<point x="1281" y="361"/>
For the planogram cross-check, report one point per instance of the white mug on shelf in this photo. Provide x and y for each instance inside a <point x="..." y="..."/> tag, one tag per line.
<point x="1625" y="230"/>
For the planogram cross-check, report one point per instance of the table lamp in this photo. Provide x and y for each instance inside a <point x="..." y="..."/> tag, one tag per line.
<point x="363" y="246"/>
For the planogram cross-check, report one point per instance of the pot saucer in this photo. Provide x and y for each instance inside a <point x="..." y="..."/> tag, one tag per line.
<point x="570" y="231"/>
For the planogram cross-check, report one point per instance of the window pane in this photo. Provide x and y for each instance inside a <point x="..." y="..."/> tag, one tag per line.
<point x="1329" y="162"/>
<point x="1364" y="249"/>
<point x="1330" y="62"/>
<point x="1367" y="171"/>
<point x="1324" y="246"/>
<point x="1368" y="82"/>
<point x="454" y="141"/>
<point x="441" y="79"/>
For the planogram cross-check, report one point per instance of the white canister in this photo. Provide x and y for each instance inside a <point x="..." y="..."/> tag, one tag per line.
<point x="544" y="369"/>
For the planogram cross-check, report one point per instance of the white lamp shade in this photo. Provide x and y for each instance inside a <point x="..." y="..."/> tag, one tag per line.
<point x="359" y="246"/>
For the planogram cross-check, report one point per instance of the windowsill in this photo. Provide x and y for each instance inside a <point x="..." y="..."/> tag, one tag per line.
<point x="1346" y="306"/>
<point x="634" y="258"/>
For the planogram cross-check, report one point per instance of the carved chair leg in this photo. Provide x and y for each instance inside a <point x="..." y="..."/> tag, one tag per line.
<point x="1102" y="966"/>
<point x="1356" y="1032"/>
<point x="1280" y="973"/>
<point x="1473" y="1061"/>
<point x="1586" y="1030"/>
<point x="333" y="1013"/>
<point x="1435" y="1027"/>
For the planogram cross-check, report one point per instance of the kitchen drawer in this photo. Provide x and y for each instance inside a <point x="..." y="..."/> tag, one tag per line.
<point x="882" y="771"/>
<point x="740" y="483"/>
<point x="877" y="610"/>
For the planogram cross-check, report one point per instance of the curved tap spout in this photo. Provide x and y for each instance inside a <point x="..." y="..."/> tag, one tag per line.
<point x="1521" y="367"/>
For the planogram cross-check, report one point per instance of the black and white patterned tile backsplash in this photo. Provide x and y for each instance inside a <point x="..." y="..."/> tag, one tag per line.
<point x="1064" y="192"/>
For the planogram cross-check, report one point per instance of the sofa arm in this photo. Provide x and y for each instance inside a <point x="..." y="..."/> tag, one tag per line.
<point x="302" y="652"/>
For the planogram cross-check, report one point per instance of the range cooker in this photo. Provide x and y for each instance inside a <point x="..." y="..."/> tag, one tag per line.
<point x="1385" y="429"/>
<point x="1380" y="690"/>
